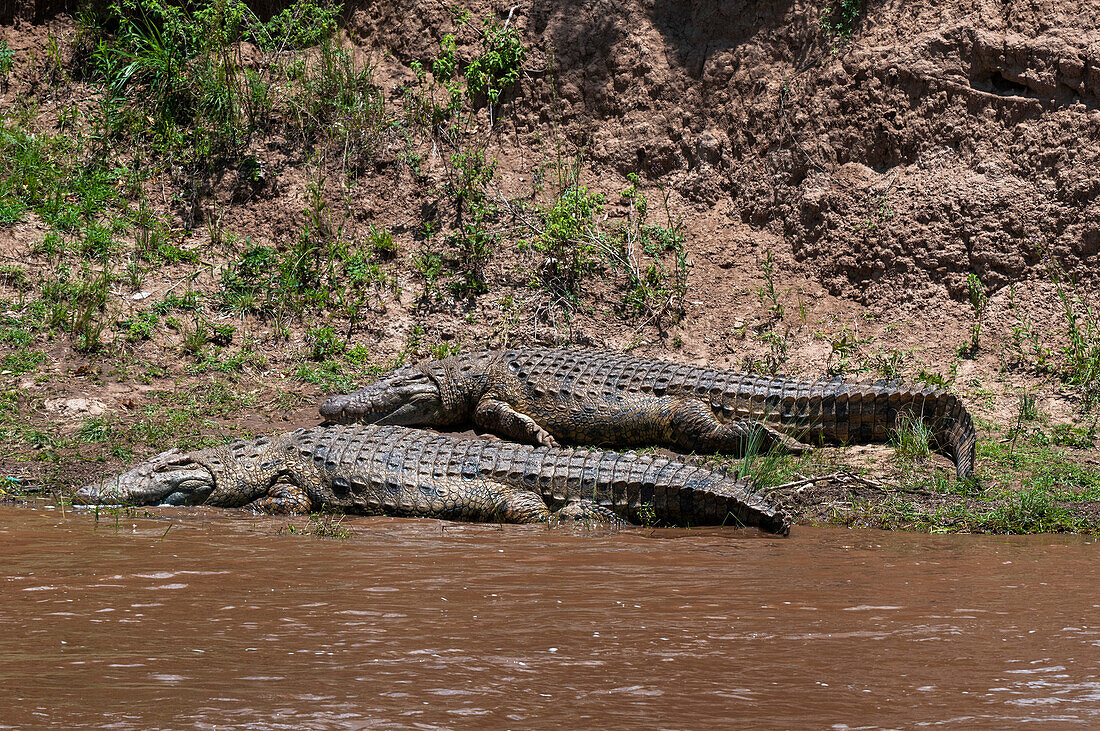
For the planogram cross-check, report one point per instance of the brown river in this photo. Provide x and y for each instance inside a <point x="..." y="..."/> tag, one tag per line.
<point x="207" y="619"/>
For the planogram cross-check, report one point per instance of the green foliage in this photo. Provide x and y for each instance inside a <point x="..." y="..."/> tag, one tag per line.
<point x="765" y="466"/>
<point x="75" y="305"/>
<point x="22" y="361"/>
<point x="175" y="76"/>
<point x="933" y="379"/>
<point x="470" y="174"/>
<point x="767" y="292"/>
<point x="1083" y="332"/>
<point x="322" y="526"/>
<point x="446" y="63"/>
<point x="380" y="244"/>
<point x="11" y="211"/>
<point x="97" y="429"/>
<point x="436" y="105"/>
<point x="498" y="64"/>
<point x="978" y="300"/>
<point x="195" y="340"/>
<point x="332" y="99"/>
<point x="839" y="17"/>
<point x="320" y="269"/>
<point x="47" y="174"/>
<point x="911" y="437"/>
<point x="7" y="63"/>
<point x="302" y="25"/>
<point x="567" y="239"/>
<point x="1034" y="510"/>
<point x="442" y="350"/>
<point x="142" y="326"/>
<point x="324" y="343"/>
<point x="652" y="257"/>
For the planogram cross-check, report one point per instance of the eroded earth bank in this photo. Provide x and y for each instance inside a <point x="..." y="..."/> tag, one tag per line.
<point x="212" y="219"/>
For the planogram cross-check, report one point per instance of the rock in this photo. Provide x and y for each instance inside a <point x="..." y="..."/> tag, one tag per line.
<point x="75" y="406"/>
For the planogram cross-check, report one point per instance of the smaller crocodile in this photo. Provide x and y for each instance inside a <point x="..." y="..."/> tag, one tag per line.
<point x="392" y="470"/>
<point x="543" y="396"/>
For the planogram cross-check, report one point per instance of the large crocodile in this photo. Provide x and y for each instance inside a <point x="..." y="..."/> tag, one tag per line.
<point x="542" y="396"/>
<point x="396" y="471"/>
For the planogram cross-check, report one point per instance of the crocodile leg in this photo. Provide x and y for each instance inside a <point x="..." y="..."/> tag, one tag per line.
<point x="695" y="427"/>
<point x="284" y="498"/>
<point x="588" y="511"/>
<point x="519" y="506"/>
<point x="501" y="419"/>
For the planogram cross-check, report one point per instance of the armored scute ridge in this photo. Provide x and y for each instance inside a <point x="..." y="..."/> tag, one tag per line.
<point x="543" y="396"/>
<point x="391" y="470"/>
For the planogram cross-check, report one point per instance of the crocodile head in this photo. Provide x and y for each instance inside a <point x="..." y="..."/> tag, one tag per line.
<point x="407" y="397"/>
<point x="170" y="478"/>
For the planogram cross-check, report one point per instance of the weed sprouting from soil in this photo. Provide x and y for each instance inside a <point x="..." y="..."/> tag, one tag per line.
<point x="979" y="300"/>
<point x="1082" y="328"/>
<point x="911" y="437"/>
<point x="839" y="18"/>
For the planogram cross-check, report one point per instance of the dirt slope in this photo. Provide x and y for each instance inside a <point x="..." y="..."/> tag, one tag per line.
<point x="941" y="139"/>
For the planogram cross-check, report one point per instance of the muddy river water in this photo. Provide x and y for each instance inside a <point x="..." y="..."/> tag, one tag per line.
<point x="224" y="621"/>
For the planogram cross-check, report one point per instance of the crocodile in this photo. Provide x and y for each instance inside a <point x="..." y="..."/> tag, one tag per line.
<point x="392" y="470"/>
<point x="543" y="396"/>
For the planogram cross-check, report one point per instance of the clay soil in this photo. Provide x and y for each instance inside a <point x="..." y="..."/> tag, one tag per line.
<point x="835" y="193"/>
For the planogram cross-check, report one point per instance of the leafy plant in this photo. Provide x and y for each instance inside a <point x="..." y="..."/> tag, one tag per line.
<point x="7" y="63"/>
<point x="978" y="301"/>
<point x="767" y="292"/>
<point x="469" y="176"/>
<point x="567" y="239"/>
<point x="324" y="343"/>
<point x="839" y="18"/>
<point x="653" y="258"/>
<point x="498" y="64"/>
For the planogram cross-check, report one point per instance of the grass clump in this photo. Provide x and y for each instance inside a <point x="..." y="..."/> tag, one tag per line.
<point x="321" y="525"/>
<point x="911" y="437"/>
<point x="22" y="361"/>
<point x="1033" y="510"/>
<point x="1082" y="354"/>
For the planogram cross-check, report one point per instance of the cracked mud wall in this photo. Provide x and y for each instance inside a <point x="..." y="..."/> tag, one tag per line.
<point x="941" y="139"/>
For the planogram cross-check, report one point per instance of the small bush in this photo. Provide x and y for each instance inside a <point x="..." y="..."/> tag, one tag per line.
<point x="498" y="64"/>
<point x="324" y="343"/>
<point x="568" y="239"/>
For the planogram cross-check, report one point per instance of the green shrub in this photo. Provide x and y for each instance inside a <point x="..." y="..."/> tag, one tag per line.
<point x="498" y="64"/>
<point x="568" y="239"/>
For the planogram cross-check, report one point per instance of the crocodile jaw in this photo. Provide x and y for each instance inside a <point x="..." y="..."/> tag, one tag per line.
<point x="170" y="478"/>
<point x="406" y="398"/>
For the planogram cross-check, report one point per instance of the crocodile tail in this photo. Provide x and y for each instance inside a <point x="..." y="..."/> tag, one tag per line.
<point x="955" y="433"/>
<point x="711" y="498"/>
<point x="851" y="413"/>
<point x="640" y="487"/>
